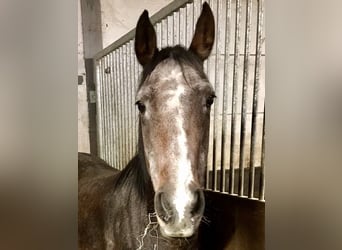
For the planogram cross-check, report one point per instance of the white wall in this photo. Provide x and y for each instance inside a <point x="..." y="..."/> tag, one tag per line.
<point x="120" y="16"/>
<point x="83" y="137"/>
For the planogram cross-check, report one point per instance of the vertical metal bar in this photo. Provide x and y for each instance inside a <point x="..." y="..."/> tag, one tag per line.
<point x="128" y="103"/>
<point x="110" y="89"/>
<point x="108" y="70"/>
<point x="262" y="171"/>
<point x="129" y="92"/>
<point x="127" y="106"/>
<point x="128" y="141"/>
<point x="124" y="104"/>
<point x="108" y="139"/>
<point x="98" y="106"/>
<point x="102" y="110"/>
<point x="105" y="108"/>
<point x="115" y="106"/>
<point x="197" y="11"/>
<point x="113" y="148"/>
<point x="131" y="89"/>
<point x="119" y="97"/>
<point x="159" y="35"/>
<point x="244" y="97"/>
<point x="176" y="28"/>
<point x="255" y="96"/>
<point x="189" y="24"/>
<point x="225" y="96"/>
<point x="182" y="27"/>
<point x="211" y="149"/>
<point x="131" y="95"/>
<point x="133" y="98"/>
<point x="170" y="31"/>
<point x="235" y="89"/>
<point x="137" y="79"/>
<point x="164" y="33"/>
<point x="218" y="91"/>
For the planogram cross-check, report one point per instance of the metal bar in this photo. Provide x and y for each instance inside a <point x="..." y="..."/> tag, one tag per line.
<point x="119" y="97"/>
<point x="105" y="94"/>
<point x="103" y="104"/>
<point x="130" y="93"/>
<point x="107" y="109"/>
<point x="97" y="67"/>
<point x="136" y="83"/>
<point x="102" y="111"/>
<point x="170" y="29"/>
<point x="124" y="105"/>
<point x="131" y="98"/>
<point x="182" y="27"/>
<point x="244" y="97"/>
<point x="209" y="161"/>
<point x="128" y="102"/>
<point x="176" y="28"/>
<point x="110" y="108"/>
<point x="234" y="101"/>
<point x="211" y="149"/>
<point x="262" y="172"/>
<point x="163" y="33"/>
<point x="158" y="33"/>
<point x="101" y="107"/>
<point x="225" y="96"/>
<point x="206" y="68"/>
<point x="218" y="91"/>
<point x="189" y="24"/>
<point x="115" y="107"/>
<point x="255" y="94"/>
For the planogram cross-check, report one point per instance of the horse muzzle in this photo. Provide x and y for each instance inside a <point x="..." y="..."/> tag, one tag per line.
<point x="179" y="215"/>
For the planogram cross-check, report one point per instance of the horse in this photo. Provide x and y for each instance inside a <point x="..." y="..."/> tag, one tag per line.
<point x="157" y="200"/>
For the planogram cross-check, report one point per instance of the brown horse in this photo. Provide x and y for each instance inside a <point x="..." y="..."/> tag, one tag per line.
<point x="157" y="201"/>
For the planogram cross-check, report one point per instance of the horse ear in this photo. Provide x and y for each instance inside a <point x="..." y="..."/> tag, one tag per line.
<point x="145" y="39"/>
<point x="204" y="36"/>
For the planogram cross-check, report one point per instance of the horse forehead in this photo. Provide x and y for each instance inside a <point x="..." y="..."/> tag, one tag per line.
<point x="168" y="76"/>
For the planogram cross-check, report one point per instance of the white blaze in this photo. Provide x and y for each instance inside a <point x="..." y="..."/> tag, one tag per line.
<point x="182" y="164"/>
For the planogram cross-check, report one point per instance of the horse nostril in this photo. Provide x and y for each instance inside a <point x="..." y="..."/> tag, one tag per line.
<point x="198" y="204"/>
<point x="163" y="207"/>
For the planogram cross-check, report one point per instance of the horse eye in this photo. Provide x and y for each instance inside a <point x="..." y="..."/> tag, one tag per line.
<point x="141" y="106"/>
<point x="210" y="100"/>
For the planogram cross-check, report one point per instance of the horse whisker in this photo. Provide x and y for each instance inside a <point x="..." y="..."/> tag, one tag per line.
<point x="205" y="220"/>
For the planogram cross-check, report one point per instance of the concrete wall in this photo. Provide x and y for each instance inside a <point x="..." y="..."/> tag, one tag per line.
<point x="100" y="23"/>
<point x="83" y="122"/>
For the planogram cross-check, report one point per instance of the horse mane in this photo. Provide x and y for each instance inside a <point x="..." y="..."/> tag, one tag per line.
<point x="135" y="175"/>
<point x="180" y="54"/>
